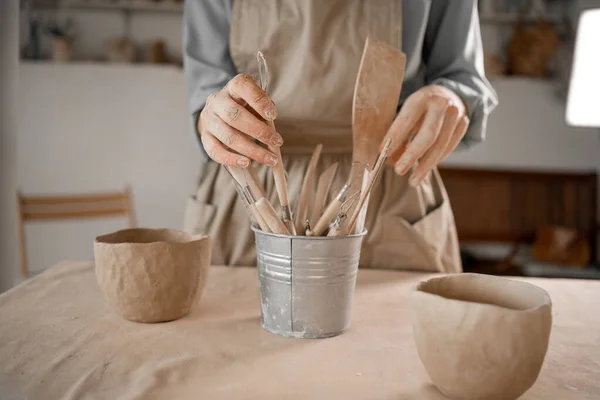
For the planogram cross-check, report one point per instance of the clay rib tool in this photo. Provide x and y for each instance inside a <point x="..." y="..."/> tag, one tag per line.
<point x="278" y="171"/>
<point x="247" y="198"/>
<point x="307" y="184"/>
<point x="376" y="97"/>
<point x="349" y="227"/>
<point x="323" y="187"/>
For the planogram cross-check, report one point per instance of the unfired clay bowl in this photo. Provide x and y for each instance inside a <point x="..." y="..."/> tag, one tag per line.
<point x="152" y="275"/>
<point x="481" y="336"/>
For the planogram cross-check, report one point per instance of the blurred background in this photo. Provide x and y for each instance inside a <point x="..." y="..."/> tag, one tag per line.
<point x="101" y="105"/>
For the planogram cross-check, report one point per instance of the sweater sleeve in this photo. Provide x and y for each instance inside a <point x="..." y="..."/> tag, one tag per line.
<point x="207" y="63"/>
<point x="453" y="56"/>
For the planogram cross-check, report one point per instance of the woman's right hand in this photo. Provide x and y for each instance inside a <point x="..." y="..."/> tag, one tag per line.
<point x="225" y="124"/>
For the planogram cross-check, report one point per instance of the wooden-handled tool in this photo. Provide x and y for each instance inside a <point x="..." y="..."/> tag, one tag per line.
<point x="256" y="186"/>
<point x="333" y="208"/>
<point x="376" y="97"/>
<point x="248" y="198"/>
<point x="278" y="171"/>
<point x="374" y="106"/>
<point x="350" y="225"/>
<point x="362" y="215"/>
<point x="307" y="184"/>
<point x="270" y="216"/>
<point x="323" y="186"/>
<point x="281" y="187"/>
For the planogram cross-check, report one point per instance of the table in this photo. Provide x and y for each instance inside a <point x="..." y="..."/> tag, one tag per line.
<point x="59" y="340"/>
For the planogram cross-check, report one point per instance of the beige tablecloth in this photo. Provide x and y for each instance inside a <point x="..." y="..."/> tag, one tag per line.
<point x="59" y="340"/>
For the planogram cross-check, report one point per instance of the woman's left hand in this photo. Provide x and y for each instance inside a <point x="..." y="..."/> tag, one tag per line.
<point x="434" y="117"/>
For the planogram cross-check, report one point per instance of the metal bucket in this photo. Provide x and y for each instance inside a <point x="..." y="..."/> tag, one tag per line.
<point x="306" y="283"/>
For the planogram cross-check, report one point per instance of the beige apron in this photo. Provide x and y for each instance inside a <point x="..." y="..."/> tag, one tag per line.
<point x="313" y="49"/>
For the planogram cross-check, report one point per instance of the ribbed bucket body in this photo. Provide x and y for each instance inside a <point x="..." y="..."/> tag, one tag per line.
<point x="307" y="283"/>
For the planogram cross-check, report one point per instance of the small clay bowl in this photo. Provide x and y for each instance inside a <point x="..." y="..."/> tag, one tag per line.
<point x="152" y="275"/>
<point x="481" y="336"/>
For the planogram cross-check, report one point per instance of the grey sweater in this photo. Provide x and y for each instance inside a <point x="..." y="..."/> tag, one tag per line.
<point x="441" y="39"/>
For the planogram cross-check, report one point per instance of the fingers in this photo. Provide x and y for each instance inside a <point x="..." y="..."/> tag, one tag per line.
<point x="404" y="124"/>
<point x="243" y="87"/>
<point x="217" y="151"/>
<point x="395" y="155"/>
<point x="393" y="158"/>
<point x="457" y="135"/>
<point x="238" y="117"/>
<point x="236" y="140"/>
<point x="425" y="138"/>
<point x="432" y="156"/>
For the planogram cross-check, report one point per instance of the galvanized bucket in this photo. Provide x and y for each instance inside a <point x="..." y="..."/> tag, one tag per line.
<point x="306" y="283"/>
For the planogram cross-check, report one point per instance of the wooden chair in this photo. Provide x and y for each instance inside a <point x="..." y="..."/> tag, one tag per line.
<point x="79" y="206"/>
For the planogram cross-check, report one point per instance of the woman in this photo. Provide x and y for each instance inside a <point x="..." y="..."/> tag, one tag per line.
<point x="313" y="49"/>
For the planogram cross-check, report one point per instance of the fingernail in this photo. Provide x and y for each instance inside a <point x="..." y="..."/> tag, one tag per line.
<point x="276" y="139"/>
<point x="271" y="160"/>
<point x="400" y="167"/>
<point x="243" y="162"/>
<point x="271" y="113"/>
<point x="415" y="180"/>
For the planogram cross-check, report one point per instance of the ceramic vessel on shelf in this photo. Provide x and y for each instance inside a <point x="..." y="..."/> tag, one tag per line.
<point x="61" y="49"/>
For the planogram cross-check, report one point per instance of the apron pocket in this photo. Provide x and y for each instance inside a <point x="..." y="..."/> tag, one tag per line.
<point x="433" y="229"/>
<point x="198" y="216"/>
<point x="398" y="244"/>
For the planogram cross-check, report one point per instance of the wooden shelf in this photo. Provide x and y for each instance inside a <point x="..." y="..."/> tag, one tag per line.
<point x="91" y="64"/>
<point x="511" y="18"/>
<point x="166" y="6"/>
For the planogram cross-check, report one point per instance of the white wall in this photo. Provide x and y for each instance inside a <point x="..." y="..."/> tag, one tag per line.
<point x="97" y="127"/>
<point x="9" y="61"/>
<point x="528" y="130"/>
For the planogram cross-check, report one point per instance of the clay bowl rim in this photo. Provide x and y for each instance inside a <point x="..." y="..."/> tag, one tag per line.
<point x="547" y="301"/>
<point x="189" y="237"/>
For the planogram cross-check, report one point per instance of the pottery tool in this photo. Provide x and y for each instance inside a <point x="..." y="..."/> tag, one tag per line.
<point x="362" y="215"/>
<point x="323" y="187"/>
<point x="376" y="98"/>
<point x="351" y="223"/>
<point x="333" y="209"/>
<point x="336" y="225"/>
<point x="281" y="187"/>
<point x="278" y="171"/>
<point x="256" y="186"/>
<point x="375" y="103"/>
<point x="256" y="191"/>
<point x="307" y="184"/>
<point x="270" y="216"/>
<point x="247" y="197"/>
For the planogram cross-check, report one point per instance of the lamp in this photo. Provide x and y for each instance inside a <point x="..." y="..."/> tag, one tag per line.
<point x="583" y="100"/>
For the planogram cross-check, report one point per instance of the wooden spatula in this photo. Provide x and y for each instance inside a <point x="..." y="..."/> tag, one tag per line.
<point x="376" y="97"/>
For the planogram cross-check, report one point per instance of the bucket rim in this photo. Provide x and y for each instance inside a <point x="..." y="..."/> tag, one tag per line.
<point x="298" y="237"/>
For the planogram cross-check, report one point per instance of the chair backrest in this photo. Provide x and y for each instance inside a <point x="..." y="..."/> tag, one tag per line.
<point x="79" y="206"/>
